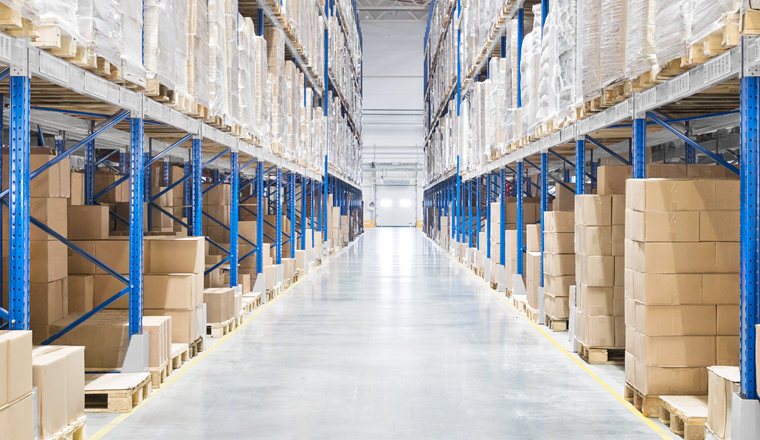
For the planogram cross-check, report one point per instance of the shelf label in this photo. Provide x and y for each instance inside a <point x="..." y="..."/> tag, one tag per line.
<point x="128" y="99"/>
<point x="647" y="99"/>
<point x="679" y="85"/>
<point x="153" y="109"/>
<point x="54" y="67"/>
<point x="720" y="66"/>
<point x="5" y="47"/>
<point x="95" y="85"/>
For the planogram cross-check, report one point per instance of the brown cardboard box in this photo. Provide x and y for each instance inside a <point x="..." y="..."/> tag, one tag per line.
<point x="593" y="240"/>
<point x="630" y="375"/>
<point x="675" y="351"/>
<point x="653" y="380"/>
<point x="559" y="285"/>
<point x="596" y="301"/>
<point x="684" y="320"/>
<point x="74" y="381"/>
<point x="558" y="221"/>
<point x="559" y="242"/>
<point x="18" y="419"/>
<point x="559" y="264"/>
<point x="159" y="330"/>
<point x="618" y="209"/>
<point x="719" y="226"/>
<point x="556" y="306"/>
<point x="727" y="257"/>
<point x="113" y="253"/>
<point x="175" y="255"/>
<point x="611" y="179"/>
<point x="49" y="376"/>
<point x="676" y="257"/>
<point x="186" y="324"/>
<point x="533" y="238"/>
<point x="301" y="260"/>
<point x="248" y="230"/>
<point x="81" y="293"/>
<point x="218" y="196"/>
<point x="666" y="170"/>
<point x="48" y="302"/>
<point x="47" y="261"/>
<point x="118" y="194"/>
<point x="630" y="312"/>
<point x="50" y="211"/>
<point x="721" y="288"/>
<point x="670" y="226"/>
<point x="670" y="195"/>
<point x="77" y="188"/>
<point x="593" y="210"/>
<point x="599" y="331"/>
<point x="3" y="372"/>
<point x="53" y="182"/>
<point x="667" y="289"/>
<point x="18" y="344"/>
<point x="729" y="349"/>
<point x="288" y="268"/>
<point x="160" y="291"/>
<point x="213" y="278"/>
<point x="270" y="272"/>
<point x="728" y="321"/>
<point x="564" y="198"/>
<point x="218" y="304"/>
<point x="88" y="222"/>
<point x="595" y="270"/>
<point x="722" y="383"/>
<point x="727" y="195"/>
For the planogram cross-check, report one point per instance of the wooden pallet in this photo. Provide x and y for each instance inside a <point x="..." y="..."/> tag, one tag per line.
<point x="601" y="355"/>
<point x="648" y="406"/>
<point x="749" y="23"/>
<point x="686" y="415"/>
<point x="195" y="347"/>
<point x="180" y="355"/>
<point x="531" y="313"/>
<point x="116" y="392"/>
<point x="73" y="431"/>
<point x="556" y="324"/>
<point x="57" y="41"/>
<point x="219" y="329"/>
<point x="158" y="375"/>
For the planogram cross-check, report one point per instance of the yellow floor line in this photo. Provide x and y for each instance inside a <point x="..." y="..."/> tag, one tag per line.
<point x="185" y="368"/>
<point x="578" y="362"/>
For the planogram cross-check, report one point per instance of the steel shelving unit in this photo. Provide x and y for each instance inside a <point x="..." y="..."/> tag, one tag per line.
<point x="57" y="96"/>
<point x="723" y="91"/>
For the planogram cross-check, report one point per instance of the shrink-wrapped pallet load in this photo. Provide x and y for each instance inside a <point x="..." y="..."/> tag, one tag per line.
<point x="529" y="71"/>
<point x="639" y="43"/>
<point x="164" y="49"/>
<point x="261" y="95"/>
<point x="100" y="26"/>
<point x="672" y="29"/>
<point x="566" y="59"/>
<point x="713" y="19"/>
<point x="131" y="45"/>
<point x="511" y="91"/>
<point x="612" y="42"/>
<point x="218" y="97"/>
<point x="58" y="22"/>
<point x="589" y="21"/>
<point x="548" y="71"/>
<point x="198" y="52"/>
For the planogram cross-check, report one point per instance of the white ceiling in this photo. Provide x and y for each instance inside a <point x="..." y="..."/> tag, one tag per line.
<point x="393" y="9"/>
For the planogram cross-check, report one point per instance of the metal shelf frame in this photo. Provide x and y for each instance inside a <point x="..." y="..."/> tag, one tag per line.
<point x="741" y="62"/>
<point x="137" y="126"/>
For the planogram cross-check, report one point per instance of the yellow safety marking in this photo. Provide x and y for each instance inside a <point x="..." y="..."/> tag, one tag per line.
<point x="580" y="363"/>
<point x="181" y="372"/>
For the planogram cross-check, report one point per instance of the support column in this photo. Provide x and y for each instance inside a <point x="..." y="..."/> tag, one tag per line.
<point x="304" y="184"/>
<point x="60" y="142"/>
<point x="639" y="148"/>
<point x="580" y="165"/>
<point x="260" y="217"/>
<point x="488" y="215"/>
<point x="137" y="193"/>
<point x="458" y="204"/>
<point x="477" y="210"/>
<point x="325" y="189"/>
<point x="18" y="233"/>
<point x="520" y="216"/>
<point x="468" y="188"/>
<point x="292" y="212"/>
<point x="544" y="204"/>
<point x="196" y="188"/>
<point x="234" y="213"/>
<point x="278" y="223"/>
<point x="89" y="169"/>
<point x="503" y="208"/>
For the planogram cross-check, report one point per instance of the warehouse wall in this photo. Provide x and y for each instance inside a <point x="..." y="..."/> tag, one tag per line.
<point x="392" y="119"/>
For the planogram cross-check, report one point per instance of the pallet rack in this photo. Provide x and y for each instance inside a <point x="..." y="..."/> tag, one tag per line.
<point x="48" y="91"/>
<point x="724" y="90"/>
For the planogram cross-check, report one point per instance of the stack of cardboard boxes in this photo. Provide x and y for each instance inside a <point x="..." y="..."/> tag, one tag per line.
<point x="48" y="296"/>
<point x="496" y="242"/>
<point x="222" y="304"/>
<point x="599" y="262"/>
<point x="16" y="399"/>
<point x="533" y="264"/>
<point x="58" y="374"/>
<point x="682" y="282"/>
<point x="559" y="262"/>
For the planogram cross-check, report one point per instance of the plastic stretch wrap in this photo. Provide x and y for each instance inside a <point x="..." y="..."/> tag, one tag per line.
<point x="233" y="60"/>
<point x="711" y="16"/>
<point x="100" y="25"/>
<point x="495" y="102"/>
<point x="612" y="42"/>
<point x="60" y="13"/>
<point x="529" y="68"/>
<point x="278" y="110"/>
<point x="672" y="29"/>
<point x="27" y="8"/>
<point x="566" y="57"/>
<point x="217" y="60"/>
<point x="247" y="101"/>
<point x="160" y="41"/>
<point x="589" y="19"/>
<point x="639" y="44"/>
<point x="548" y="72"/>
<point x="260" y="80"/>
<point x="511" y="125"/>
<point x="463" y="127"/>
<point x="131" y="45"/>
<point x="198" y="51"/>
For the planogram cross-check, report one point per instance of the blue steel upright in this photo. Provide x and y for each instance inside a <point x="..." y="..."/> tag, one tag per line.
<point x="312" y="199"/>
<point x="260" y="217"/>
<point x="292" y="212"/>
<point x="18" y="283"/>
<point x="325" y="189"/>
<point x="196" y="191"/>
<point x="750" y="227"/>
<point x="187" y="193"/>
<point x="520" y="215"/>
<point x="488" y="214"/>
<point x="544" y="205"/>
<point x="503" y="208"/>
<point x="89" y="169"/>
<point x="639" y="148"/>
<point x="580" y="166"/>
<point x="278" y="220"/>
<point x="136" y="213"/>
<point x="468" y="189"/>
<point x="304" y="184"/>
<point x="60" y="142"/>
<point x="458" y="203"/>
<point x="234" y="213"/>
<point x="477" y="211"/>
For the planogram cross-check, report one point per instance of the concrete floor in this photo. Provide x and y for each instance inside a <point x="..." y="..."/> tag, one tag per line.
<point x="391" y="339"/>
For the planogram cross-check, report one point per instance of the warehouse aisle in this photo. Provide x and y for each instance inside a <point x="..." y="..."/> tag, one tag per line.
<point x="390" y="339"/>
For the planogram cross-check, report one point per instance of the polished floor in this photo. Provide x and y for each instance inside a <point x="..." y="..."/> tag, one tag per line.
<point x="391" y="339"/>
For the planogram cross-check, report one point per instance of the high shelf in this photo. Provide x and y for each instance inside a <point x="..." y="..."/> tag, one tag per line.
<point x="94" y="119"/>
<point x="718" y="93"/>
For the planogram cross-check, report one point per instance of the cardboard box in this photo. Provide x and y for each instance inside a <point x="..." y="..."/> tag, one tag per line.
<point x="159" y="330"/>
<point x="666" y="170"/>
<point x="113" y="253"/>
<point x="559" y="285"/>
<point x="675" y="351"/>
<point x="50" y="211"/>
<point x="599" y="331"/>
<point x="49" y="374"/>
<point x="53" y="182"/>
<point x="48" y="302"/>
<point x="18" y="346"/>
<point x="559" y="242"/>
<point x="596" y="301"/>
<point x="618" y="210"/>
<point x="667" y="289"/>
<point x="559" y="264"/>
<point x="727" y="257"/>
<point x="722" y="383"/>
<point x="670" y="195"/>
<point x="593" y="240"/>
<point x="120" y="194"/>
<point x="669" y="226"/>
<point x="556" y="306"/>
<point x="187" y="325"/>
<point x="558" y="221"/>
<point x="676" y="257"/>
<point x="533" y="238"/>
<point x="719" y="226"/>
<point x="160" y="291"/>
<point x="611" y="179"/>
<point x="175" y="255"/>
<point x="219" y="303"/>
<point x="683" y="320"/>
<point x="595" y="270"/>
<point x="728" y="320"/>
<point x="654" y="380"/>
<point x="729" y="349"/>
<point x="593" y="210"/>
<point x="88" y="222"/>
<point x="18" y="419"/>
<point x="721" y="288"/>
